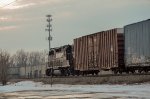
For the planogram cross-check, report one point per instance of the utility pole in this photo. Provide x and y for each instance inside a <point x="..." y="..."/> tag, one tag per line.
<point x="49" y="29"/>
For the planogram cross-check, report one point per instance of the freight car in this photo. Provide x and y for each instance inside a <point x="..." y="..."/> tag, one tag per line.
<point x="99" y="51"/>
<point x="137" y="46"/>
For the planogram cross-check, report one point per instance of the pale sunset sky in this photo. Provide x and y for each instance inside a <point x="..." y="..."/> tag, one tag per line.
<point x="23" y="22"/>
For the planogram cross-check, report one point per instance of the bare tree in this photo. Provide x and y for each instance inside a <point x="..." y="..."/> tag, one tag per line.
<point x="12" y="61"/>
<point x="44" y="57"/>
<point x="21" y="59"/>
<point x="37" y="58"/>
<point x="4" y="65"/>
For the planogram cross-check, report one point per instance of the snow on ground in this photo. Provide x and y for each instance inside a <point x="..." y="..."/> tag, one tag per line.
<point x="70" y="91"/>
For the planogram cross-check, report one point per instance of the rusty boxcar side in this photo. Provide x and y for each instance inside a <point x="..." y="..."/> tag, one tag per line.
<point x="97" y="51"/>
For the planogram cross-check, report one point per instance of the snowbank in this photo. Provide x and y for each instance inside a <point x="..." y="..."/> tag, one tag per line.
<point x="119" y="90"/>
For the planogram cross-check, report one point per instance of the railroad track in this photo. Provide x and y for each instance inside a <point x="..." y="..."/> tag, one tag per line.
<point x="102" y="75"/>
<point x="93" y="79"/>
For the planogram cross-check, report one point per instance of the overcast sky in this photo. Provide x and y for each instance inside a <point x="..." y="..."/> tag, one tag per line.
<point x="23" y="23"/>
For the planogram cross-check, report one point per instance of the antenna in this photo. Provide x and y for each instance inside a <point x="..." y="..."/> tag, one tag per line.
<point x="49" y="29"/>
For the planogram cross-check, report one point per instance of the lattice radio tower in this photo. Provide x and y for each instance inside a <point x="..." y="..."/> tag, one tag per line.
<point x="49" y="29"/>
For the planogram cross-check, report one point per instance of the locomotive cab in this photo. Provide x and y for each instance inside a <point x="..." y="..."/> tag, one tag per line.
<point x="60" y="61"/>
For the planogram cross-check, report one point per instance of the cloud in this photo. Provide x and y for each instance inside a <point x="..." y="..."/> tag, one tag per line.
<point x="28" y="3"/>
<point x="44" y="1"/>
<point x="3" y="18"/>
<point x="4" y="28"/>
<point x="7" y="19"/>
<point x="12" y="7"/>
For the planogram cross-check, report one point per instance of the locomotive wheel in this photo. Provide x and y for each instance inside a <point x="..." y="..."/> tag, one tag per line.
<point x="68" y="72"/>
<point x="65" y="72"/>
<point x="120" y="72"/>
<point x="48" y="72"/>
<point x="139" y="71"/>
<point x="133" y="71"/>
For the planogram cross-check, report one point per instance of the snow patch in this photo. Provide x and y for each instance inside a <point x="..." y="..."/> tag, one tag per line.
<point x="57" y="89"/>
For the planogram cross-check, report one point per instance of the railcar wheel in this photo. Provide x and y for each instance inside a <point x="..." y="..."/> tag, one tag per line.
<point x="96" y="73"/>
<point x="115" y="71"/>
<point x="83" y="74"/>
<point x="146" y="71"/>
<point x="127" y="72"/>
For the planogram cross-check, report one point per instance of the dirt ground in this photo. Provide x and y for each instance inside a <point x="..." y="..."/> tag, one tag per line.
<point x="63" y="95"/>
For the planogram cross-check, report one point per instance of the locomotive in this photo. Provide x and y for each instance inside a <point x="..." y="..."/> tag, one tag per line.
<point x="60" y="61"/>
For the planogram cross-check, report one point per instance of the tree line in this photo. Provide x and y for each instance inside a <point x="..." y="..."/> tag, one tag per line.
<point x="20" y="58"/>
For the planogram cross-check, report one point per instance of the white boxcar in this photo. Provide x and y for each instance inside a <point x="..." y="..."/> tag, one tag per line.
<point x="137" y="44"/>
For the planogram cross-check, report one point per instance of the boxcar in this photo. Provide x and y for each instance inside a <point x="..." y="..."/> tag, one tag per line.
<point x="137" y="46"/>
<point x="99" y="51"/>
